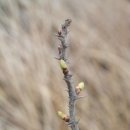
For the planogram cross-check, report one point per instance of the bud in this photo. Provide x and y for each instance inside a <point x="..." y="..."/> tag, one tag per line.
<point x="81" y="85"/>
<point x="63" y="116"/>
<point x="63" y="64"/>
<point x="79" y="88"/>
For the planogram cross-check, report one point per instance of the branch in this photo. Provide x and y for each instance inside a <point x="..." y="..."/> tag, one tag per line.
<point x="72" y="91"/>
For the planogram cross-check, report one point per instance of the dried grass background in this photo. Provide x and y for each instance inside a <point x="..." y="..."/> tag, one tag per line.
<point x="31" y="85"/>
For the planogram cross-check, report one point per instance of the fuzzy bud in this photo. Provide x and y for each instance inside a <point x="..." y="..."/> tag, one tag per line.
<point x="79" y="88"/>
<point x="63" y="116"/>
<point x="63" y="64"/>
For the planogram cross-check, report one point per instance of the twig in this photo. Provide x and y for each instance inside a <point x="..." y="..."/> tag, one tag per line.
<point x="72" y="91"/>
<point x="62" y="36"/>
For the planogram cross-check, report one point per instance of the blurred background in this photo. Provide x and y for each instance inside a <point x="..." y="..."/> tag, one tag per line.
<point x="32" y="89"/>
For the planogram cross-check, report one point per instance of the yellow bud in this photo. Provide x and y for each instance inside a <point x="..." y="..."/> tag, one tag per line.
<point x="61" y="115"/>
<point x="79" y="88"/>
<point x="81" y="85"/>
<point x="63" y="64"/>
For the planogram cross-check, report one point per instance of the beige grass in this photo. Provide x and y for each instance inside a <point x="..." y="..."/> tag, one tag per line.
<point x="31" y="87"/>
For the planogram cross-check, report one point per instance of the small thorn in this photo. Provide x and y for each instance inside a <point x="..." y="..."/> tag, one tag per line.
<point x="69" y="75"/>
<point x="65" y="46"/>
<point x="72" y="123"/>
<point x="57" y="58"/>
<point x="66" y="60"/>
<point x="65" y="79"/>
<point x="79" y="97"/>
<point x="69" y="123"/>
<point x="60" y="36"/>
<point x="56" y="34"/>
